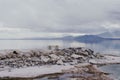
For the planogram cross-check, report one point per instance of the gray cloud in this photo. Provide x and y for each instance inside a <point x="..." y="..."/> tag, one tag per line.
<point x="60" y="16"/>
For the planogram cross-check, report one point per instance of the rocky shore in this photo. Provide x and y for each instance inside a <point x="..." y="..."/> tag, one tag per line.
<point x="63" y="59"/>
<point x="68" y="56"/>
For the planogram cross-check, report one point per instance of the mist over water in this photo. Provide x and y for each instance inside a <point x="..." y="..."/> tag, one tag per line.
<point x="106" y="47"/>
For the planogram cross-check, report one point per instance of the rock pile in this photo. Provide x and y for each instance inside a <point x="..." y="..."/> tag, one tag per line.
<point x="67" y="56"/>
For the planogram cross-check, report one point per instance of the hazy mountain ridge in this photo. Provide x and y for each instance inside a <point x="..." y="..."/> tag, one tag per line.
<point x="110" y="34"/>
<point x="89" y="38"/>
<point x="114" y="35"/>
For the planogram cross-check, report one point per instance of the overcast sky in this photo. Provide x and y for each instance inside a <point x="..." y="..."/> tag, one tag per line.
<point x="33" y="18"/>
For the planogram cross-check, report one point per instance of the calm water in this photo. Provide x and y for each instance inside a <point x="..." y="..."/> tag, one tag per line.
<point x="114" y="70"/>
<point x="107" y="47"/>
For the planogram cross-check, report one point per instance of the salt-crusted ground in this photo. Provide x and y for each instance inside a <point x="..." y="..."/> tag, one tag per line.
<point x="85" y="71"/>
<point x="35" y="71"/>
<point x="107" y="59"/>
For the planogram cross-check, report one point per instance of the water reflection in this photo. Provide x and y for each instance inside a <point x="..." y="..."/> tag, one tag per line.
<point x="110" y="46"/>
<point x="113" y="69"/>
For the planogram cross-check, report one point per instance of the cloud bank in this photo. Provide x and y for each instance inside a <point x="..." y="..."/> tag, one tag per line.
<point x="37" y="17"/>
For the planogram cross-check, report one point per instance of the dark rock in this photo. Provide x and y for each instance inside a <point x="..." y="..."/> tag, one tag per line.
<point x="15" y="52"/>
<point x="37" y="58"/>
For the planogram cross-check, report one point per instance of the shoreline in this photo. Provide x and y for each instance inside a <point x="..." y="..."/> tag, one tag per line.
<point x="33" y="63"/>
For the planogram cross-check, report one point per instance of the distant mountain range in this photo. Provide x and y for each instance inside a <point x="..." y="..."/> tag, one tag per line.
<point x="115" y="35"/>
<point x="89" y="38"/>
<point x="110" y="34"/>
<point x="84" y="38"/>
<point x="93" y="39"/>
